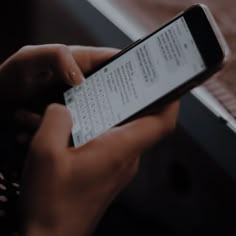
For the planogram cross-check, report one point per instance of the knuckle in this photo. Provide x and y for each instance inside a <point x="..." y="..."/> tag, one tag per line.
<point x="57" y="108"/>
<point x="130" y="171"/>
<point x="135" y="168"/>
<point x="25" y="49"/>
<point x="118" y="161"/>
<point x="18" y="62"/>
<point x="132" y="168"/>
<point x="61" y="50"/>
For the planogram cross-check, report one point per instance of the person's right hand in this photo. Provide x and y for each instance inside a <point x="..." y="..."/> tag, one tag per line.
<point x="35" y="76"/>
<point x="65" y="189"/>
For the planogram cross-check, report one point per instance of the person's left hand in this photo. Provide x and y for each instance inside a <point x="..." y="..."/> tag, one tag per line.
<point x="35" y="76"/>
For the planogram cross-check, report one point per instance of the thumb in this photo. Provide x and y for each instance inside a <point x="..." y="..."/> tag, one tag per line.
<point x="55" y="130"/>
<point x="123" y="143"/>
<point x="57" y="56"/>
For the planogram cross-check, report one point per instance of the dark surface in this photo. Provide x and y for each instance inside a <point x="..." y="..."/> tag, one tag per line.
<point x="210" y="133"/>
<point x="15" y="24"/>
<point x="185" y="184"/>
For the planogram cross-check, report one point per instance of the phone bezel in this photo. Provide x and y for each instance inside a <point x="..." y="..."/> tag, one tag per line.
<point x="207" y="43"/>
<point x="217" y="54"/>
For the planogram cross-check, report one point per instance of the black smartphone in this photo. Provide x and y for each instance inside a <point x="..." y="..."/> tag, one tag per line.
<point x="152" y="71"/>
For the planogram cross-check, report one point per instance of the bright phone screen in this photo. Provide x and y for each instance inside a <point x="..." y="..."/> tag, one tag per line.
<point x="133" y="81"/>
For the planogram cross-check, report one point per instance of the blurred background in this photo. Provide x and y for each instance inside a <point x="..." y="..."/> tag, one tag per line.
<point x="181" y="188"/>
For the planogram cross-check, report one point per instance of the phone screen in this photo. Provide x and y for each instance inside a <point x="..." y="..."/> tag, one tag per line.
<point x="133" y="81"/>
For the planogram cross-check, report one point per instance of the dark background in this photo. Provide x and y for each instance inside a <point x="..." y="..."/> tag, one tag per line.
<point x="15" y="24"/>
<point x="180" y="189"/>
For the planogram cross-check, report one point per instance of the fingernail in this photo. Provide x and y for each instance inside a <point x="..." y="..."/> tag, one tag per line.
<point x="3" y="199"/>
<point x="76" y="79"/>
<point x="1" y="176"/>
<point x="16" y="185"/>
<point x="2" y="187"/>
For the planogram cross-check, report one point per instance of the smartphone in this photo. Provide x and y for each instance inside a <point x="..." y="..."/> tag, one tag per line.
<point x="152" y="71"/>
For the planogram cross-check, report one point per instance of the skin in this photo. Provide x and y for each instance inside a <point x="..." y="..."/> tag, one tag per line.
<point x="65" y="190"/>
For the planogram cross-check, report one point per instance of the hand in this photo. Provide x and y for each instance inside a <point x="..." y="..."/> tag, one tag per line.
<point x="66" y="190"/>
<point x="35" y="76"/>
<point x="35" y="68"/>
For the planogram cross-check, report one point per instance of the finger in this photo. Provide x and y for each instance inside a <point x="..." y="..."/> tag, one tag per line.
<point x="142" y="133"/>
<point x="55" y="56"/>
<point x="28" y="121"/>
<point x="133" y="138"/>
<point x="150" y="129"/>
<point x="55" y="129"/>
<point x="88" y="58"/>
